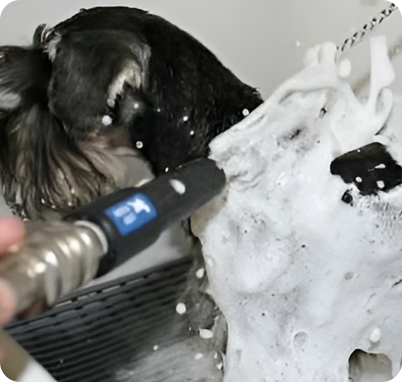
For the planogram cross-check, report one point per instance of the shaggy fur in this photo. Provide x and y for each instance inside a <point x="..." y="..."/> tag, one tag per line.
<point x="107" y="80"/>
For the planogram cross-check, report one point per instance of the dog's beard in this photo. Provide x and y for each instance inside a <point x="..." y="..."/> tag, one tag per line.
<point x="43" y="168"/>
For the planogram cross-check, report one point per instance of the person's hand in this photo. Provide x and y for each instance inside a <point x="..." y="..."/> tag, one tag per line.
<point x="12" y="234"/>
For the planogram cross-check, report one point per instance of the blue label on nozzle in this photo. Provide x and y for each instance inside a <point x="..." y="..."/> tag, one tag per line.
<point x="132" y="213"/>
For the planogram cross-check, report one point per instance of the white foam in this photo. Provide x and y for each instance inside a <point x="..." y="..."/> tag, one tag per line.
<point x="302" y="277"/>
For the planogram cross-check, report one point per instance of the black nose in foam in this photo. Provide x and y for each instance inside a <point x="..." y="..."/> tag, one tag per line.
<point x="371" y="168"/>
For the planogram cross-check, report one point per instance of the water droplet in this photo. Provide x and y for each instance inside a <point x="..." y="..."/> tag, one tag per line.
<point x="358" y="179"/>
<point x="375" y="335"/>
<point x="136" y="105"/>
<point x="178" y="186"/>
<point x="192" y="132"/>
<point x="185" y="118"/>
<point x="200" y="273"/>
<point x="158" y="110"/>
<point x="139" y="145"/>
<point x="380" y="184"/>
<point x="167" y="169"/>
<point x="206" y="334"/>
<point x="245" y="112"/>
<point x="181" y="308"/>
<point x="156" y="347"/>
<point x="107" y="120"/>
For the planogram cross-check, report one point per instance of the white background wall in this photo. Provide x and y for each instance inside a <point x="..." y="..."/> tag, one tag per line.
<point x="261" y="41"/>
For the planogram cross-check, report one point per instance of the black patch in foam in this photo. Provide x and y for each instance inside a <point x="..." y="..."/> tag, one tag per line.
<point x="371" y="168"/>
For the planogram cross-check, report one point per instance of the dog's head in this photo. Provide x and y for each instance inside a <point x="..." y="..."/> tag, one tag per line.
<point x="107" y="82"/>
<point x="41" y="162"/>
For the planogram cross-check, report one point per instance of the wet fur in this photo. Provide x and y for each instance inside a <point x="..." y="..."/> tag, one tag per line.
<point x="106" y="79"/>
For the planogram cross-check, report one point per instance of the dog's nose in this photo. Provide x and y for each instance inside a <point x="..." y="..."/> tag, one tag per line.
<point x="371" y="168"/>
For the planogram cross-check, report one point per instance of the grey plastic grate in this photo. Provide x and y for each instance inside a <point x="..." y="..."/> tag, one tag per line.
<point x="92" y="334"/>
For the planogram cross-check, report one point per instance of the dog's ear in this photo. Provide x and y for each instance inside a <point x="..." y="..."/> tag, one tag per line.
<point x="24" y="75"/>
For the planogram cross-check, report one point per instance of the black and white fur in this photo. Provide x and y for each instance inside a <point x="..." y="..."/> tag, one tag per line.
<point x="108" y="81"/>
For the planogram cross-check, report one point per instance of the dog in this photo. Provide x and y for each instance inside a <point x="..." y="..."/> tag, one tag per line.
<point x="108" y="82"/>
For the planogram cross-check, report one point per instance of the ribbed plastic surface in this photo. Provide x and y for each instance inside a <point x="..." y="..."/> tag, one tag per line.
<point x="93" y="334"/>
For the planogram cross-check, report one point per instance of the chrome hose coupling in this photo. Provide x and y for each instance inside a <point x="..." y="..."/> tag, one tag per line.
<point x="56" y="258"/>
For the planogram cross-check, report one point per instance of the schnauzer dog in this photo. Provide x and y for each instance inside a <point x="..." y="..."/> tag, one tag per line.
<point x="107" y="82"/>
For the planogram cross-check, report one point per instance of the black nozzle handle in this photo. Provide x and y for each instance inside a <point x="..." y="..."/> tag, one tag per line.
<point x="133" y="218"/>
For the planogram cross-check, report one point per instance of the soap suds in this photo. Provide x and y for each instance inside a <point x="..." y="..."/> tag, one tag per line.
<point x="280" y="240"/>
